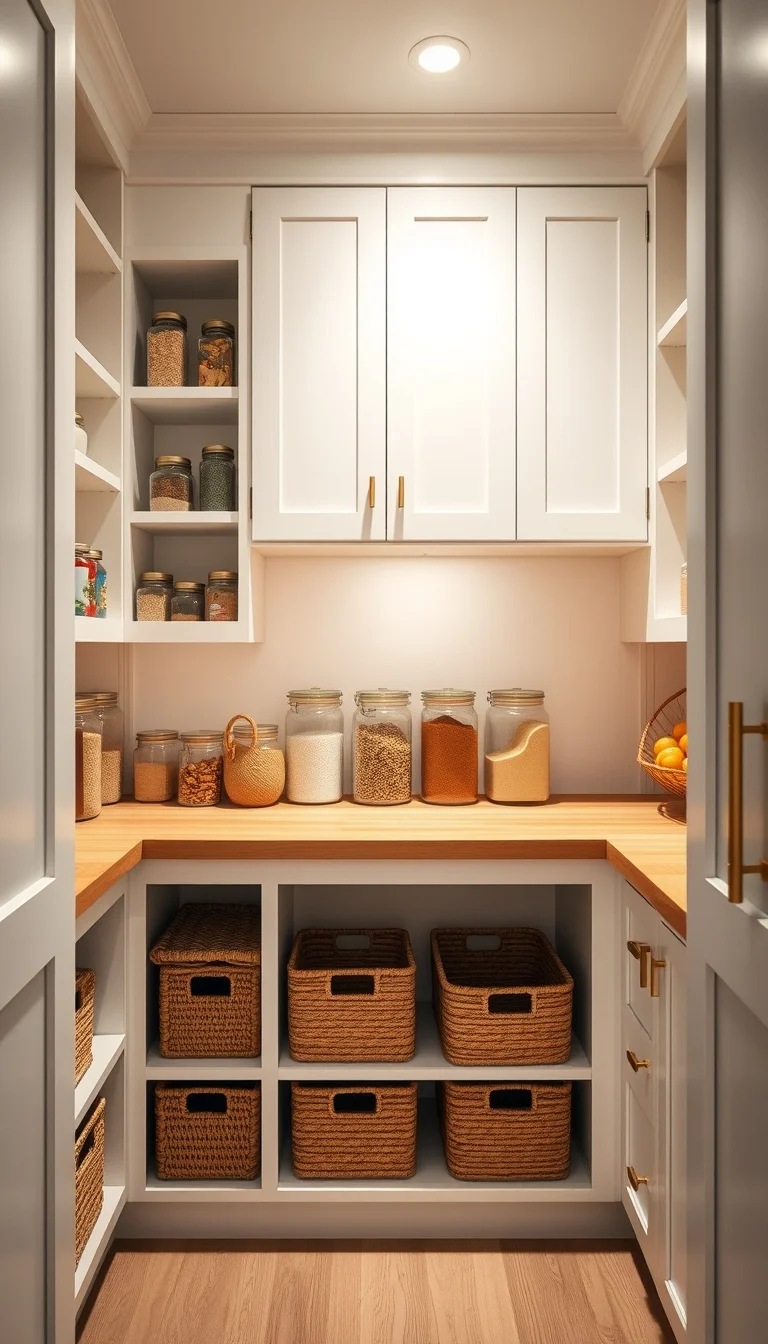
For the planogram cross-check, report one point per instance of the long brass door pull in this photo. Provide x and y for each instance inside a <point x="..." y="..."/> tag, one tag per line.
<point x="634" y="1180"/>
<point x="657" y="964"/>
<point x="372" y="492"/>
<point x="642" y="953"/>
<point x="737" y="730"/>
<point x="636" y="1063"/>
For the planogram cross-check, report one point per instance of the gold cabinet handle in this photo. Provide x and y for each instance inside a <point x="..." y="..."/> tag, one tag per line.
<point x="636" y="1063"/>
<point x="372" y="492"/>
<point x="642" y="953"/>
<point x="401" y="492"/>
<point x="657" y="964"/>
<point x="737" y="729"/>
<point x="634" y="1180"/>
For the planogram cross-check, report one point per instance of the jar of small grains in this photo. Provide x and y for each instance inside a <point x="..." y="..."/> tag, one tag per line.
<point x="112" y="726"/>
<point x="156" y="765"/>
<point x="167" y="351"/>
<point x="100" y="583"/>
<point x="314" y="746"/>
<point x="382" y="747"/>
<point x="217" y="478"/>
<point x="171" y="485"/>
<point x="153" y="596"/>
<point x="216" y="354"/>
<point x="221" y="595"/>
<point x="516" y="747"/>
<point x="448" y="747"/>
<point x="200" y="768"/>
<point x="85" y="581"/>
<point x="88" y="730"/>
<point x="188" y="602"/>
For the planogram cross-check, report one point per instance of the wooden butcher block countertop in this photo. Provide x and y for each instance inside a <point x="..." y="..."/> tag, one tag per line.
<point x="645" y="843"/>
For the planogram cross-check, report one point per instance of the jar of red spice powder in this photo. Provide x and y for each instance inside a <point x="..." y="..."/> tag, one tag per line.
<point x="448" y="747"/>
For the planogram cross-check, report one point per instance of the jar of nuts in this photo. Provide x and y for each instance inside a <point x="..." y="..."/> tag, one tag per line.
<point x="201" y="768"/>
<point x="216" y="354"/>
<point x="153" y="596"/>
<point x="221" y="595"/>
<point x="188" y="601"/>
<point x="171" y="484"/>
<point x="167" y="352"/>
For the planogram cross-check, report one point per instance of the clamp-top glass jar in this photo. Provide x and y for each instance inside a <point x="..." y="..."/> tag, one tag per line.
<point x="216" y="354"/>
<point x="448" y="747"/>
<point x="517" y="747"/>
<point x="314" y="746"/>
<point x="167" y="351"/>
<point x="171" y="485"/>
<point x="382" y="747"/>
<point x="156" y="765"/>
<point x="111" y="744"/>
<point x="201" y="768"/>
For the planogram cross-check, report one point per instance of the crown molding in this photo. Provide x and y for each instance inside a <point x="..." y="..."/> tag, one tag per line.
<point x="658" y="72"/>
<point x="108" y="77"/>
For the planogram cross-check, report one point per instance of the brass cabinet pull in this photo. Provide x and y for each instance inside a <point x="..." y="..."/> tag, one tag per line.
<point x="401" y="492"/>
<point x="372" y="492"/>
<point x="657" y="964"/>
<point x="737" y="729"/>
<point x="642" y="953"/>
<point x="637" y="1063"/>
<point x="634" y="1180"/>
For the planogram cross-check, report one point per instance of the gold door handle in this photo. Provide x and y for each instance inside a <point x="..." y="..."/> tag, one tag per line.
<point x="401" y="492"/>
<point x="737" y="729"/>
<point x="372" y="492"/>
<point x="636" y="1063"/>
<point x="657" y="964"/>
<point x="642" y="953"/>
<point x="634" y="1180"/>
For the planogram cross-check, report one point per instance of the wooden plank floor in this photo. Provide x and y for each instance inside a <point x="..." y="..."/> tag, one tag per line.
<point x="326" y="1292"/>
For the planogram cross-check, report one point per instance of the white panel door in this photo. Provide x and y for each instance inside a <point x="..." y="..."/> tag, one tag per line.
<point x="582" y="445"/>
<point x="451" y="363"/>
<point x="319" y="363"/>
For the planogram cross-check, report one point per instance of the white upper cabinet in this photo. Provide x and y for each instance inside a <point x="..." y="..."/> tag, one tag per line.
<point x="451" y="363"/>
<point x="319" y="363"/>
<point x="582" y="468"/>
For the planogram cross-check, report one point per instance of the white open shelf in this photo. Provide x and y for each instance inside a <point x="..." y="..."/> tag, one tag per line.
<point x="675" y="329"/>
<point x="187" y="405"/>
<point x="107" y="1049"/>
<point x="160" y="1069"/>
<point x="90" y="475"/>
<point x="114" y="1199"/>
<point x="194" y="523"/>
<point x="185" y="632"/>
<point x="198" y="1192"/>
<point x="91" y="378"/>
<point x="91" y="630"/>
<point x="676" y="470"/>
<point x="94" y="254"/>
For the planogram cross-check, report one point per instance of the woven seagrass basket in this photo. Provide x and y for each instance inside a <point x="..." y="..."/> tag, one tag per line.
<point x="673" y="711"/>
<point x="254" y="776"/>
<point x="85" y="1000"/>
<point x="354" y="1133"/>
<point x="506" y="1004"/>
<point x="207" y="1133"/>
<point x="89" y="1175"/>
<point x="506" y="1131"/>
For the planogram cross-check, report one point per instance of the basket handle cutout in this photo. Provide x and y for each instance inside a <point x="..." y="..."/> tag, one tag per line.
<point x="510" y="1099"/>
<point x="354" y="1103"/>
<point x="207" y="1103"/>
<point x="86" y="1148"/>
<point x="352" y="942"/>
<point x="358" y="985"/>
<point x="483" y="942"/>
<point x="519" y="1004"/>
<point x="210" y="987"/>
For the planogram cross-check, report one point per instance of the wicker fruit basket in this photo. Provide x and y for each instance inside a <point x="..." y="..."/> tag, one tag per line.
<point x="89" y="1175"/>
<point x="509" y="1004"/>
<point x="672" y="712"/>
<point x="354" y="1133"/>
<point x="506" y="1131"/>
<point x="207" y="1133"/>
<point x="85" y="999"/>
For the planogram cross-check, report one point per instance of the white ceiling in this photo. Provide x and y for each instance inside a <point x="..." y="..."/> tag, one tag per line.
<point x="351" y="56"/>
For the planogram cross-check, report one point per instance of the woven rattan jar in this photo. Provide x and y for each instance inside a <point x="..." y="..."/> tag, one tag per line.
<point x="254" y="765"/>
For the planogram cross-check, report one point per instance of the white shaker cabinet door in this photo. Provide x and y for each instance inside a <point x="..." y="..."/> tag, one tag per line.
<point x="582" y="449"/>
<point x="319" y="363"/>
<point x="451" y="363"/>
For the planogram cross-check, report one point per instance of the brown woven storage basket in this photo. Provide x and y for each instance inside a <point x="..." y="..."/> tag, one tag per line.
<point x="506" y="1131"/>
<point x="89" y="1175"/>
<point x="85" y="1000"/>
<point x="210" y="980"/>
<point x="512" y="1005"/>
<point x="352" y="1003"/>
<point x="207" y="1133"/>
<point x="353" y="1133"/>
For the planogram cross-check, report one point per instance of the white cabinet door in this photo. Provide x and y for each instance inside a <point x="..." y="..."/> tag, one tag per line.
<point x="451" y="363"/>
<point x="582" y="446"/>
<point x="319" y="363"/>
<point x="672" y="1081"/>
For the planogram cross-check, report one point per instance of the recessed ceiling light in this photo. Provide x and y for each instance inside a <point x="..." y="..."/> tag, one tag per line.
<point x="439" y="55"/>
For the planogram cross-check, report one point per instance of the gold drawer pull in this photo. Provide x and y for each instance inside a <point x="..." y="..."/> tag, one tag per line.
<point x="737" y="729"/>
<point x="657" y="964"/>
<point x="372" y="492"/>
<point x="642" y="953"/>
<point x="401" y="492"/>
<point x="636" y="1063"/>
<point x="634" y="1180"/>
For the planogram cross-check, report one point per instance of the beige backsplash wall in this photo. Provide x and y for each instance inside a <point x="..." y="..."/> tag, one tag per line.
<point x="421" y="622"/>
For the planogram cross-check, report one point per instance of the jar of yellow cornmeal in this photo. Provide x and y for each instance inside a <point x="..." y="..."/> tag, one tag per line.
<point x="516" y="747"/>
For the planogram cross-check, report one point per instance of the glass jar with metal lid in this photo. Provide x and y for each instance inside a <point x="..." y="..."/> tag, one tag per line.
<point x="314" y="746"/>
<point x="88" y="731"/>
<point x="171" y="485"/>
<point x="156" y="765"/>
<point x="85" y="581"/>
<point x="216" y="354"/>
<point x="382" y="747"/>
<point x="448" y="747"/>
<point x="167" y="351"/>
<point x="516" y="747"/>
<point x="100" y="582"/>
<point x="188" y="601"/>
<point x="112" y="739"/>
<point x="217" y="478"/>
<point x="201" y="767"/>
<point x="153" y="596"/>
<point x="221" y="595"/>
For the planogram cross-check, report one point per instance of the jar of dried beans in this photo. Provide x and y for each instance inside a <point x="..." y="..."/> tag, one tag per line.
<point x="314" y="746"/>
<point x="382" y="747"/>
<point x="85" y="581"/>
<point x="448" y="747"/>
<point x="200" y="768"/>
<point x="216" y="354"/>
<point x="153" y="596"/>
<point x="167" y="352"/>
<point x="88" y="730"/>
<point x="171" y="485"/>
<point x="517" y="747"/>
<point x="111" y="716"/>
<point x="221" y="595"/>
<point x="188" y="602"/>
<point x="217" y="478"/>
<point x="156" y="765"/>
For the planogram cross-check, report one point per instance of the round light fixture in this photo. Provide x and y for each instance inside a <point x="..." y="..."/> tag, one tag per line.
<point x="439" y="55"/>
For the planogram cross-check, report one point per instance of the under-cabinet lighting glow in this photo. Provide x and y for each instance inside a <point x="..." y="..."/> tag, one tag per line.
<point x="439" y="55"/>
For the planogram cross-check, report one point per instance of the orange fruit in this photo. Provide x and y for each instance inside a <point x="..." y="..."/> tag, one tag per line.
<point x="679" y="729"/>
<point x="671" y="758"/>
<point x="684" y="766"/>
<point x="683" y="743"/>
<point x="662" y="744"/>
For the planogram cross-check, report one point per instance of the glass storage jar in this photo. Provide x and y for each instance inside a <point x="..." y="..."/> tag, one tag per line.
<point x="88" y="730"/>
<point x="217" y="478"/>
<point x="516" y="747"/>
<point x="101" y="583"/>
<point x="314" y="746"/>
<point x="156" y="765"/>
<point x="153" y="596"/>
<point x="216" y="354"/>
<point x="381" y="736"/>
<point x="448" y="747"/>
<point x="188" y="602"/>
<point x="200" y="768"/>
<point x="171" y="485"/>
<point x="85" y="581"/>
<point x="81" y="438"/>
<point x="167" y="351"/>
<point x="221" y="595"/>
<point x="111" y="744"/>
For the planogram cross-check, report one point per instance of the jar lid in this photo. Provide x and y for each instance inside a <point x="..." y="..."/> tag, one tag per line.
<point x="170" y="317"/>
<point x="93" y="554"/>
<point x="157" y="735"/>
<point x="81" y="548"/>
<point x="218" y="450"/>
<point x="315" y="695"/>
<point x="183" y="586"/>
<point x="85" y="702"/>
<point x="202" y="735"/>
<point x="449" y="696"/>
<point x="264" y="732"/>
<point x="79" y="420"/>
<point x="217" y="575"/>
<point x="153" y="576"/>
<point x="217" y="324"/>
<point x="515" y="696"/>
<point x="103" y="697"/>
<point x="170" y="460"/>
<point x="382" y="696"/>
